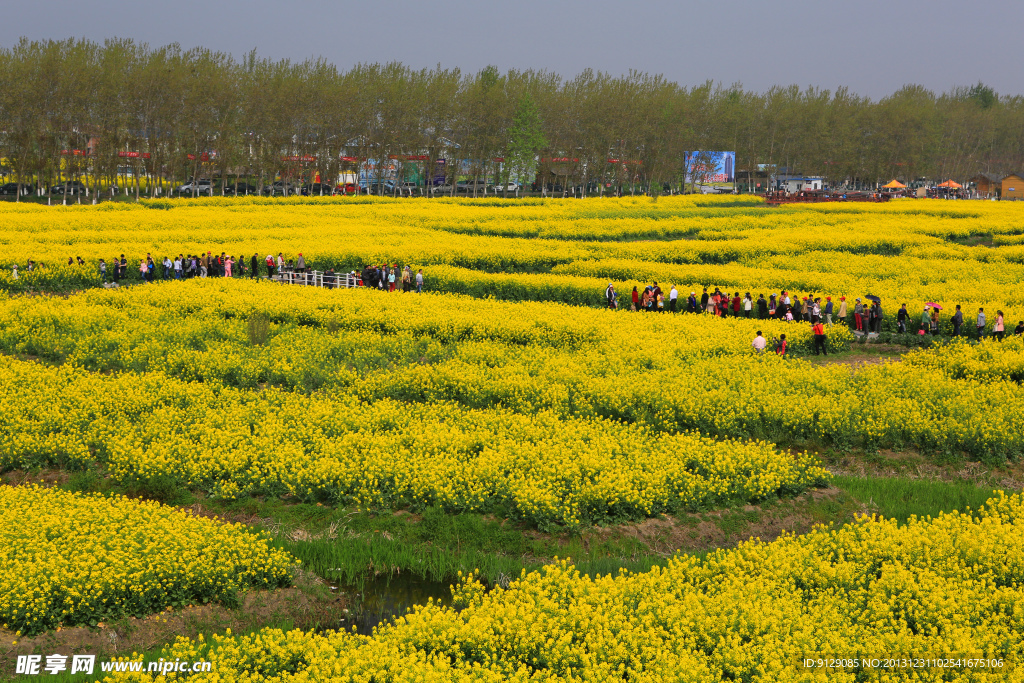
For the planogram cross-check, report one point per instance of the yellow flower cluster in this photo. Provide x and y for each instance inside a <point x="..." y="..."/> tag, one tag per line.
<point x="540" y="467"/>
<point x="71" y="559"/>
<point x="909" y="251"/>
<point x="991" y="361"/>
<point x="940" y="591"/>
<point x="670" y="373"/>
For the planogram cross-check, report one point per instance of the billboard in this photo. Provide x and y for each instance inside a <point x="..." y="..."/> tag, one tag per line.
<point x="710" y="167"/>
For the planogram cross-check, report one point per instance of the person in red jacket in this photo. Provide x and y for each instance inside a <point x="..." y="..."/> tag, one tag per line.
<point x="781" y="346"/>
<point x="818" y="330"/>
<point x="737" y="304"/>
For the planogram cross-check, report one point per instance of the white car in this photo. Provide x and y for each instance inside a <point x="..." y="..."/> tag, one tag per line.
<point x="202" y="187"/>
<point x="511" y="187"/>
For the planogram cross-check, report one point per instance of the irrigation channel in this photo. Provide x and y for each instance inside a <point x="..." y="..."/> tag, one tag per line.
<point x="382" y="598"/>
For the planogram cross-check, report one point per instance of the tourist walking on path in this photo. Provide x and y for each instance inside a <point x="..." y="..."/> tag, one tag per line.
<point x="901" y="319"/>
<point x="958" y="320"/>
<point x="858" y="316"/>
<point x="610" y="296"/>
<point x="636" y="299"/>
<point x="999" y="328"/>
<point x="842" y="310"/>
<point x="419" y="281"/>
<point x="980" y="324"/>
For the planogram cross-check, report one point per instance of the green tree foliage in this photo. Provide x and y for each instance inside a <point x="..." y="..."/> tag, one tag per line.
<point x="167" y="114"/>
<point x="525" y="140"/>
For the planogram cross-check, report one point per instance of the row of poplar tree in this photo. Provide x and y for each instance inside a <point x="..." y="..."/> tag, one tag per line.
<point x="76" y="108"/>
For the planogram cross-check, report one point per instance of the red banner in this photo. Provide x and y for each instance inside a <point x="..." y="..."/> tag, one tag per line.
<point x="133" y="155"/>
<point x="74" y="152"/>
<point x="202" y="157"/>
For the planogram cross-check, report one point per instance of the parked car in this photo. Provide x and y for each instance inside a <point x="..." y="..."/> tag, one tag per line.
<point x="441" y="189"/>
<point x="316" y="189"/>
<point x="404" y="189"/>
<point x="510" y="187"/>
<point x="73" y="187"/>
<point x="239" y="189"/>
<point x="469" y="187"/>
<point x="280" y="187"/>
<point x="202" y="186"/>
<point x="12" y="189"/>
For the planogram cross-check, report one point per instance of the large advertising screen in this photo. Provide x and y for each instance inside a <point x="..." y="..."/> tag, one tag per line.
<point x="710" y="167"/>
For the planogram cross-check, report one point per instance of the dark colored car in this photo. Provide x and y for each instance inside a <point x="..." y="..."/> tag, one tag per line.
<point x="239" y="189"/>
<point x="73" y="187"/>
<point x="12" y="189"/>
<point x="315" y="189"/>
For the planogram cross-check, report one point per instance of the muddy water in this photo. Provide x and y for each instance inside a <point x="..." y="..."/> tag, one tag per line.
<point x="380" y="599"/>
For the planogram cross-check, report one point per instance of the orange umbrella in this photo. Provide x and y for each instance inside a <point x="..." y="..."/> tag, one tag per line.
<point x="951" y="184"/>
<point x="894" y="185"/>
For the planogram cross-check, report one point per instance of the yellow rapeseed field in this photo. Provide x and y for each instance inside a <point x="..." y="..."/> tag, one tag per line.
<point x="670" y="373"/>
<point x="906" y="251"/>
<point x="70" y="559"/>
<point x="540" y="467"/>
<point x="931" y="600"/>
<point x="504" y="389"/>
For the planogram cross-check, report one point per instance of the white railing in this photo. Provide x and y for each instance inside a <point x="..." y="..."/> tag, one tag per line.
<point x="317" y="278"/>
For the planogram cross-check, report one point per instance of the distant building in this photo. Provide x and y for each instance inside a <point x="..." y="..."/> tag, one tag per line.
<point x="798" y="183"/>
<point x="986" y="184"/>
<point x="758" y="180"/>
<point x="1011" y="187"/>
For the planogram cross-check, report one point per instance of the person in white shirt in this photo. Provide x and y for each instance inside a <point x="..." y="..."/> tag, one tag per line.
<point x="759" y="343"/>
<point x="672" y="296"/>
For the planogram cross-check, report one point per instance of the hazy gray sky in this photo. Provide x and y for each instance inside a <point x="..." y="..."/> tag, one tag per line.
<point x="873" y="47"/>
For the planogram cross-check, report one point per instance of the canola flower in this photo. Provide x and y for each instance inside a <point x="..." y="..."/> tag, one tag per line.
<point x="942" y="587"/>
<point x="908" y="251"/>
<point x="70" y="559"/>
<point x="542" y="467"/>
<point x="668" y="373"/>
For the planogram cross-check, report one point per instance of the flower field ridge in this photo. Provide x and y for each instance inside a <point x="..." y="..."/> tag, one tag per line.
<point x="942" y="588"/>
<point x="70" y="559"/>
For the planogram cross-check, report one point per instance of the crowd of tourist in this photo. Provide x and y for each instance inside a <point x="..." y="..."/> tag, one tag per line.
<point x="864" y="316"/>
<point x="389" y="277"/>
